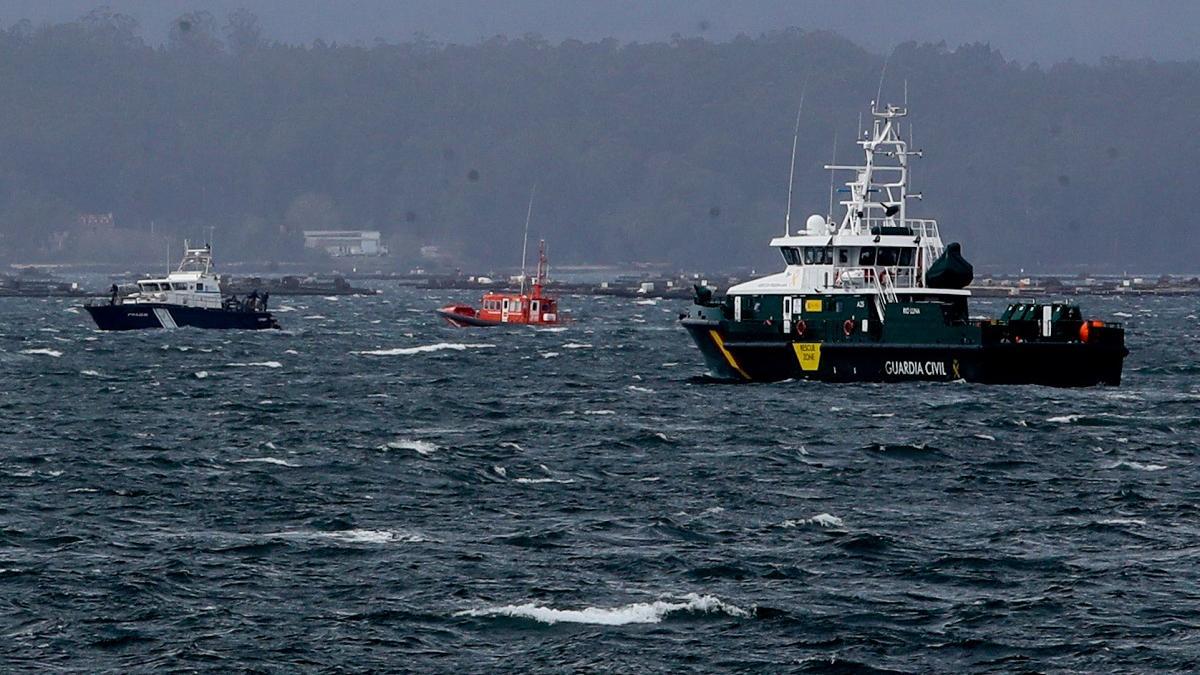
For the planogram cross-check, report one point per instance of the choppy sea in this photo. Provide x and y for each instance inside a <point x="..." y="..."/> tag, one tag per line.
<point x="368" y="489"/>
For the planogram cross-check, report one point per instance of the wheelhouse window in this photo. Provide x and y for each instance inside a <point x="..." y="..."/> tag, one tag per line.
<point x="843" y="256"/>
<point x="791" y="255"/>
<point x="199" y="287"/>
<point x="866" y="256"/>
<point x="906" y="257"/>
<point x="887" y="257"/>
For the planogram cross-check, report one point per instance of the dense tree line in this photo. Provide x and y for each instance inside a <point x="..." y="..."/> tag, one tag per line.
<point x="672" y="151"/>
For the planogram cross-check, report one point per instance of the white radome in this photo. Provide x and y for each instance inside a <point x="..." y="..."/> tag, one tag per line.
<point x="815" y="224"/>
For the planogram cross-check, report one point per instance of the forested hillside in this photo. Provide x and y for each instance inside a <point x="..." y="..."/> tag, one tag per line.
<point x="673" y="151"/>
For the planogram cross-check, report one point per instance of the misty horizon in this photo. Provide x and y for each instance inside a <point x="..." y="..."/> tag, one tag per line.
<point x="673" y="151"/>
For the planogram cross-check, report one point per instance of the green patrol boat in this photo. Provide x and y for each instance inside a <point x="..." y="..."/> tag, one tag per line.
<point x="877" y="297"/>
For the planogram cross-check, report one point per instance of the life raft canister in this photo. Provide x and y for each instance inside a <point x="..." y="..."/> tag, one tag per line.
<point x="1086" y="329"/>
<point x="848" y="327"/>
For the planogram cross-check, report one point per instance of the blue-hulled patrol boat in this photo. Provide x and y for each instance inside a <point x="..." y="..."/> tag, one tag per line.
<point x="189" y="296"/>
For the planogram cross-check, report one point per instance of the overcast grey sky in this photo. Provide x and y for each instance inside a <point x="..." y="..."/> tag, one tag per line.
<point x="1028" y="30"/>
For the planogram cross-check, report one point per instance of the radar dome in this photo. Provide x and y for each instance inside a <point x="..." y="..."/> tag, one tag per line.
<point x="815" y="224"/>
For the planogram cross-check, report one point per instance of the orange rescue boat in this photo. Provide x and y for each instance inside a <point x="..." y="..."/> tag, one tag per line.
<point x="536" y="308"/>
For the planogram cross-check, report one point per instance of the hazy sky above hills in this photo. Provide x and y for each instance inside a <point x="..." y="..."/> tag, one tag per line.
<point x="1027" y="30"/>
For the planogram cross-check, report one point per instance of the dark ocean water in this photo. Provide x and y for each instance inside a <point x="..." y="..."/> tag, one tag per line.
<point x="371" y="490"/>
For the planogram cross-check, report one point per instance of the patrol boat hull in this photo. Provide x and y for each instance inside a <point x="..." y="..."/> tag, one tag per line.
<point x="1058" y="365"/>
<point x="158" y="315"/>
<point x="984" y="352"/>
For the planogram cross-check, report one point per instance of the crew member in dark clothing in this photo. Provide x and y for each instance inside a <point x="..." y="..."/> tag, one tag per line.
<point x="113" y="299"/>
<point x="266" y="295"/>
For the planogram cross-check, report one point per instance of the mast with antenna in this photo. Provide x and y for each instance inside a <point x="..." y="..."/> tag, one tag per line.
<point x="525" y="243"/>
<point x="787" y="219"/>
<point x="829" y="215"/>
<point x="882" y="73"/>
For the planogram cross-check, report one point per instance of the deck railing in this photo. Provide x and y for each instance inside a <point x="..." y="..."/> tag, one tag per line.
<point x="891" y="278"/>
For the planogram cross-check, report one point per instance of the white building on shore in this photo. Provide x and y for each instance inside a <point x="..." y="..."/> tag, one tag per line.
<point x="339" y="243"/>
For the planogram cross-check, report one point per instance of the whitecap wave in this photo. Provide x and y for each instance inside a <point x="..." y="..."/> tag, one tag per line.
<point x="265" y="460"/>
<point x="1137" y="466"/>
<point x="351" y="536"/>
<point x="641" y="390"/>
<point x="549" y="355"/>
<point x="1123" y="521"/>
<point x="638" y="612"/>
<point x="256" y="364"/>
<point x="821" y="519"/>
<point x="577" y="345"/>
<point x="422" y="349"/>
<point x="42" y="352"/>
<point x="200" y="374"/>
<point x="534" y="481"/>
<point x="90" y="373"/>
<point x="599" y="412"/>
<point x="420" y="447"/>
<point x="1064" y="419"/>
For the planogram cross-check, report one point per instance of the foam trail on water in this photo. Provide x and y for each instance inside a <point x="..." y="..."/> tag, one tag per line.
<point x="638" y="612"/>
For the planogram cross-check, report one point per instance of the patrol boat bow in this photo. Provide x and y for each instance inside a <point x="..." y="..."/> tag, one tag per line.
<point x="877" y="297"/>
<point x="189" y="296"/>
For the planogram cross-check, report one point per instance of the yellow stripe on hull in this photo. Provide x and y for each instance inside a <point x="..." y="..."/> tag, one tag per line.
<point x="728" y="357"/>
